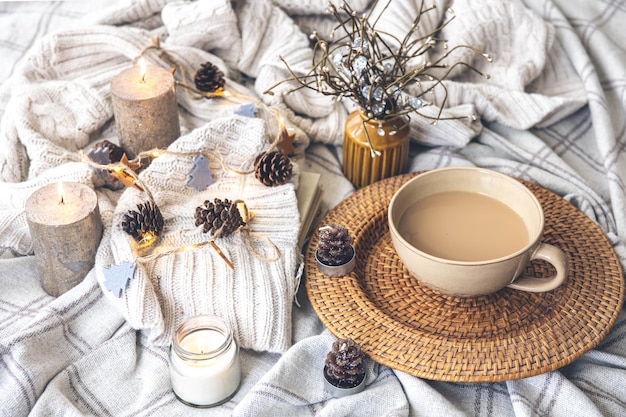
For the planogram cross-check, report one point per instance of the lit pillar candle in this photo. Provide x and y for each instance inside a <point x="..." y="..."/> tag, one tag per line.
<point x="65" y="228"/>
<point x="145" y="109"/>
<point x="204" y="362"/>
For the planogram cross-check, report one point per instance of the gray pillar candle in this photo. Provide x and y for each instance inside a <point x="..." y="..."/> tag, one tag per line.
<point x="145" y="109"/>
<point x="65" y="228"/>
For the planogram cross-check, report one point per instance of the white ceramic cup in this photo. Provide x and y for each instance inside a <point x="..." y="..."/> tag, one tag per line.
<point x="474" y="278"/>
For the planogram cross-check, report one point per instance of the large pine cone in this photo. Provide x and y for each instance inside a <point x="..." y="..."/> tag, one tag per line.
<point x="273" y="168"/>
<point x="209" y="78"/>
<point x="344" y="365"/>
<point x="146" y="221"/>
<point x="335" y="245"/>
<point x="220" y="218"/>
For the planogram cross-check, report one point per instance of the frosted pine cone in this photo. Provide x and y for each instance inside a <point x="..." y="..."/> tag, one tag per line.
<point x="273" y="168"/>
<point x="209" y="78"/>
<point x="344" y="365"/>
<point x="220" y="218"/>
<point x="145" y="222"/>
<point x="335" y="245"/>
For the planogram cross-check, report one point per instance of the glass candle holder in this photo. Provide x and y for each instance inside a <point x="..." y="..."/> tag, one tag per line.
<point x="204" y="362"/>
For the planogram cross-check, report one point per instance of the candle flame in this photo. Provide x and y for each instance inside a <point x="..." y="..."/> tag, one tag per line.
<point x="201" y="346"/>
<point x="61" y="193"/>
<point x="142" y="69"/>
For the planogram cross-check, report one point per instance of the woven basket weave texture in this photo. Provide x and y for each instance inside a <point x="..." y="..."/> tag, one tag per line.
<point x="507" y="335"/>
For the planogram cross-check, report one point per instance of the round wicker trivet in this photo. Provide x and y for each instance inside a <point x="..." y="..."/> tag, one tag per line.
<point x="507" y="335"/>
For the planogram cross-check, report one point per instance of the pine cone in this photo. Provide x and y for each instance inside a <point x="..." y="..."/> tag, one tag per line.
<point x="344" y="365"/>
<point x="105" y="153"/>
<point x="220" y="218"/>
<point x="273" y="168"/>
<point x="110" y="151"/>
<point x="209" y="78"/>
<point x="146" y="220"/>
<point x="335" y="245"/>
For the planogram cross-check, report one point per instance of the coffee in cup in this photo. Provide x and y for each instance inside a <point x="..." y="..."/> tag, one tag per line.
<point x="469" y="231"/>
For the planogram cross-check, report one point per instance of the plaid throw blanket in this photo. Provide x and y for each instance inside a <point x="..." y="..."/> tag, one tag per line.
<point x="553" y="113"/>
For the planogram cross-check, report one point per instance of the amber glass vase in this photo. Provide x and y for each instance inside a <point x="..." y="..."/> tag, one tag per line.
<point x="390" y="137"/>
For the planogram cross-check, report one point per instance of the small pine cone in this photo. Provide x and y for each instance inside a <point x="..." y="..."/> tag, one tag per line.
<point x="344" y="364"/>
<point x="105" y="153"/>
<point x="220" y="218"/>
<point x="335" y="245"/>
<point x="273" y="168"/>
<point x="113" y="151"/>
<point x="146" y="220"/>
<point x="209" y="78"/>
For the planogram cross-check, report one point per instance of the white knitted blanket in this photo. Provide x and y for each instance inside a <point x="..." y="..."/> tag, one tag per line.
<point x="553" y="113"/>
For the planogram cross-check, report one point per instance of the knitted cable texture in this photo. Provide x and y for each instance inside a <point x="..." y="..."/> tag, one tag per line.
<point x="256" y="297"/>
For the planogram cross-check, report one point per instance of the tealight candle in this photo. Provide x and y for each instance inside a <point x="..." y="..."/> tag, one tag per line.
<point x="204" y="362"/>
<point x="145" y="108"/>
<point x="65" y="228"/>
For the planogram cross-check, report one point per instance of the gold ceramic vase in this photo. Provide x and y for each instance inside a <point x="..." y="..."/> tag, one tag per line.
<point x="389" y="137"/>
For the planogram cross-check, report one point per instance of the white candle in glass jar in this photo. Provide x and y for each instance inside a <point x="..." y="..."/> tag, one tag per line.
<point x="204" y="362"/>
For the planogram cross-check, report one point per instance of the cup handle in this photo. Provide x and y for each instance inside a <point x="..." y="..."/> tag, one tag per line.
<point x="554" y="256"/>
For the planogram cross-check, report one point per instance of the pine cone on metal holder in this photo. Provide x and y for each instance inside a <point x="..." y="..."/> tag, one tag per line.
<point x="220" y="218"/>
<point x="335" y="245"/>
<point x="273" y="168"/>
<point x="144" y="223"/>
<point x="344" y="366"/>
<point x="209" y="78"/>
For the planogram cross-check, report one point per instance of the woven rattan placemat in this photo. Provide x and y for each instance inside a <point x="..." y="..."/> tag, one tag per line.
<point x="508" y="335"/>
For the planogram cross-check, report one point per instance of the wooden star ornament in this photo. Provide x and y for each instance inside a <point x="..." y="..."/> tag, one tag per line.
<point x="126" y="179"/>
<point x="130" y="164"/>
<point x="122" y="174"/>
<point x="285" y="143"/>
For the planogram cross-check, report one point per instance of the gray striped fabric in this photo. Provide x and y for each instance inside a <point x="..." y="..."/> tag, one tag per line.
<point x="559" y="121"/>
